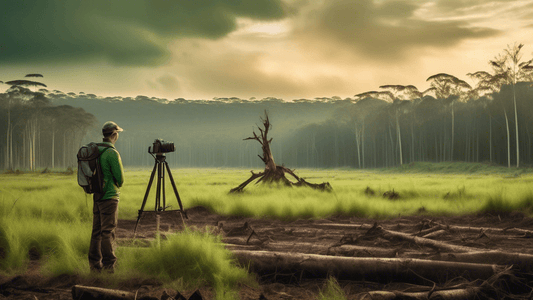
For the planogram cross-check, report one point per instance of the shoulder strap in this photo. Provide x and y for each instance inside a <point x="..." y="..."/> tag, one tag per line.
<point x="104" y="145"/>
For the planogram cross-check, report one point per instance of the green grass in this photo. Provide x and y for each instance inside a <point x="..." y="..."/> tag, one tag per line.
<point x="50" y="216"/>
<point x="198" y="257"/>
<point x="332" y="291"/>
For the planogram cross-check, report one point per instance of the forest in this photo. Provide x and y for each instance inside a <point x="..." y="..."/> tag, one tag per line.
<point x="490" y="120"/>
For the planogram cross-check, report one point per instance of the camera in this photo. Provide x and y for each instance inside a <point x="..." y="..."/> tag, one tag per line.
<point x="161" y="146"/>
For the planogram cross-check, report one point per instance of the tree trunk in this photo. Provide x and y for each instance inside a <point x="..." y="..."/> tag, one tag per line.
<point x="508" y="140"/>
<point x="363" y="144"/>
<point x="272" y="172"/>
<point x="490" y="137"/>
<point x="89" y="292"/>
<point x="399" y="134"/>
<point x="53" y="148"/>
<point x="518" y="231"/>
<point x="387" y="234"/>
<point x="459" y="294"/>
<point x="361" y="268"/>
<point x="521" y="261"/>
<point x="310" y="248"/>
<point x="9" y="140"/>
<point x="453" y="133"/>
<point x="516" y="129"/>
<point x="358" y="145"/>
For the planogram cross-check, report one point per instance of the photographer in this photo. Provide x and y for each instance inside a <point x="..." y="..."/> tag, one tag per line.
<point x="105" y="209"/>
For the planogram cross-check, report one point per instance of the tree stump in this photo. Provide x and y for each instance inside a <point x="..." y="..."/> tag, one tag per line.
<point x="272" y="172"/>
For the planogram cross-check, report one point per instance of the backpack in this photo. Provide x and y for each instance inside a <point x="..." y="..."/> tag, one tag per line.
<point x="90" y="175"/>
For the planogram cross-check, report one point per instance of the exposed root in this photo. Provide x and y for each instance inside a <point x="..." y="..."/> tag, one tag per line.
<point x="274" y="173"/>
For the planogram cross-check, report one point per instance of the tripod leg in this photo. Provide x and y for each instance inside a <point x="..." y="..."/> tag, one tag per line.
<point x="175" y="190"/>
<point x="145" y="197"/>
<point x="163" y="184"/>
<point x="158" y="193"/>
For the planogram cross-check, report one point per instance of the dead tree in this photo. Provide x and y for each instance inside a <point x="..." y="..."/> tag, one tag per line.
<point x="274" y="173"/>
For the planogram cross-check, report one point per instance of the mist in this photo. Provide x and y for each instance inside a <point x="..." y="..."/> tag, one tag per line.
<point x="45" y="129"/>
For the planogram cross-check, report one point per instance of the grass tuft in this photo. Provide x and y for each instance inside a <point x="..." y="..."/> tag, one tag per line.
<point x="332" y="291"/>
<point x="496" y="204"/>
<point x="187" y="258"/>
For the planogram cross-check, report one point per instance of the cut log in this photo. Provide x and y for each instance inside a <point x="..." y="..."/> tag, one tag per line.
<point x="435" y="234"/>
<point x="310" y="248"/>
<point x="493" y="288"/>
<point x="517" y="231"/>
<point x="457" y="294"/>
<point x="361" y="268"/>
<point x="344" y="226"/>
<point x="388" y="234"/>
<point x="89" y="292"/>
<point x="430" y="230"/>
<point x="521" y="261"/>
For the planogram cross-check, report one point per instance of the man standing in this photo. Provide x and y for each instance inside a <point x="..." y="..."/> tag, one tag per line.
<point x="105" y="209"/>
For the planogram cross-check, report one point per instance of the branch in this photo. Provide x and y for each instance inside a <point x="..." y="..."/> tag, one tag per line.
<point x="244" y="184"/>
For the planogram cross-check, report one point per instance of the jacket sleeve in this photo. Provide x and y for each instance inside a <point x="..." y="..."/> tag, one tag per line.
<point x="117" y="169"/>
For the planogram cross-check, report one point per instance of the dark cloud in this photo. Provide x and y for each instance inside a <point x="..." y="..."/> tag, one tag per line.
<point x="386" y="30"/>
<point x="122" y="31"/>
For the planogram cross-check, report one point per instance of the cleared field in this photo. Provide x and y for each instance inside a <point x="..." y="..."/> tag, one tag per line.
<point x="46" y="217"/>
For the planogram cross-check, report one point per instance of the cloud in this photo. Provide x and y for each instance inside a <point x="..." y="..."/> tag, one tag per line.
<point x="384" y="30"/>
<point x="123" y="32"/>
<point x="166" y="83"/>
<point x="223" y="69"/>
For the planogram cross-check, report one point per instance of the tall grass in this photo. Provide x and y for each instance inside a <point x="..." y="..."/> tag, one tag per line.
<point x="187" y="259"/>
<point x="49" y="216"/>
<point x="61" y="246"/>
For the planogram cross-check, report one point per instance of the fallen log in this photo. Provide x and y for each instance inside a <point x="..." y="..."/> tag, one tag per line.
<point x="361" y="268"/>
<point x="430" y="230"/>
<point x="495" y="287"/>
<point x="313" y="248"/>
<point x="89" y="292"/>
<point x="456" y="294"/>
<point x="435" y="234"/>
<point x="344" y="226"/>
<point x="487" y="230"/>
<point x="388" y="234"/>
<point x="521" y="261"/>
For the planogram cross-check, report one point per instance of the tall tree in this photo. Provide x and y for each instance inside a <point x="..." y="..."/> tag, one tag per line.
<point x="447" y="86"/>
<point x="401" y="95"/>
<point x="512" y="69"/>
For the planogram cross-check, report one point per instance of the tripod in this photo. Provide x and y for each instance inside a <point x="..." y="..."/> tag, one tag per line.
<point x="160" y="165"/>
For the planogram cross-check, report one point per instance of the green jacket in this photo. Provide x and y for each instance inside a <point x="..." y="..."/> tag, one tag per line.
<point x="113" y="173"/>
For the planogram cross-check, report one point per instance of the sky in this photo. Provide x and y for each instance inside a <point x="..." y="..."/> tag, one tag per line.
<point x="289" y="49"/>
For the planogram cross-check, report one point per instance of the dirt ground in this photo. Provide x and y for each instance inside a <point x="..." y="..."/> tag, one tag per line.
<point x="338" y="236"/>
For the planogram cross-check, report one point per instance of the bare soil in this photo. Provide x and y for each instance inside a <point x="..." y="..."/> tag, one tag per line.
<point x="333" y="236"/>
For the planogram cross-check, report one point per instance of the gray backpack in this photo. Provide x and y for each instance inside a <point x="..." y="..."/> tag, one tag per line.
<point x="90" y="176"/>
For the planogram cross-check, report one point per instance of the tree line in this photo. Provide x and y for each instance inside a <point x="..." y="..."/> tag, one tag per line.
<point x="451" y="121"/>
<point x="489" y="120"/>
<point x="36" y="134"/>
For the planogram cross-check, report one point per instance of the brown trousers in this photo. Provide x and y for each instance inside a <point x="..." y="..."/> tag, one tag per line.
<point x="101" y="252"/>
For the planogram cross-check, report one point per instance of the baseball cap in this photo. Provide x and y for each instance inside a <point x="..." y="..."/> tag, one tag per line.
<point x="110" y="127"/>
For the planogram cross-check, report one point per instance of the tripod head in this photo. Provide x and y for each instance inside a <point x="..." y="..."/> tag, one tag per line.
<point x="159" y="157"/>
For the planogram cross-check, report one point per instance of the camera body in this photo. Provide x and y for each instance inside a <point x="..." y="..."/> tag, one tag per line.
<point x="159" y="146"/>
